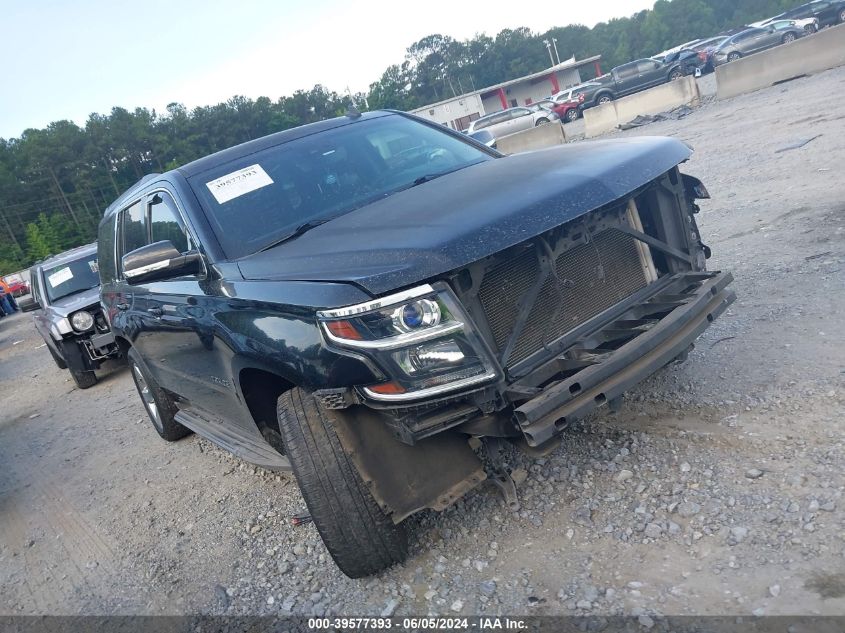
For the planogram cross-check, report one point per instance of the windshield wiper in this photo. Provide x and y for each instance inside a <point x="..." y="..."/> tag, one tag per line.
<point x="428" y="178"/>
<point x="300" y="230"/>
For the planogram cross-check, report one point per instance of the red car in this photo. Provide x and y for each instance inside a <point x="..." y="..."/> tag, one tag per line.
<point x="17" y="286"/>
<point x="567" y="109"/>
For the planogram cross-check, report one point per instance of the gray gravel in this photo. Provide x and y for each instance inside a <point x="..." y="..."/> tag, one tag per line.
<point x="716" y="489"/>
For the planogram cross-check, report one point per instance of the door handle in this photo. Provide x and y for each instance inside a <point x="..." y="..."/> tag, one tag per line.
<point x="156" y="312"/>
<point x="121" y="306"/>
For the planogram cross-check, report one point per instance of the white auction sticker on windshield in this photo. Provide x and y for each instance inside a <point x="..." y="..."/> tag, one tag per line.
<point x="60" y="276"/>
<point x="238" y="183"/>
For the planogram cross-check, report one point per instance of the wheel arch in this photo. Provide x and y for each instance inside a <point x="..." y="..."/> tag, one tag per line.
<point x="603" y="93"/>
<point x="260" y="389"/>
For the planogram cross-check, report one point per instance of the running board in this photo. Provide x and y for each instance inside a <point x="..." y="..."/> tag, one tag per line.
<point x="226" y="437"/>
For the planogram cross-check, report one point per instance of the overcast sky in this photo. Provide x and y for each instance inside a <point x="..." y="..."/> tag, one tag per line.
<point x="65" y="60"/>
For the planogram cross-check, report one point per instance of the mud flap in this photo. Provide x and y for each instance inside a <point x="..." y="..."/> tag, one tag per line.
<point x="434" y="473"/>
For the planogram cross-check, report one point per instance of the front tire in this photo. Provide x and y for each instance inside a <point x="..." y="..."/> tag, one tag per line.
<point x="360" y="537"/>
<point x="675" y="74"/>
<point x="159" y="405"/>
<point x="788" y="37"/>
<point x="60" y="362"/>
<point x="541" y="122"/>
<point x="83" y="379"/>
<point x="605" y="98"/>
<point x="734" y="56"/>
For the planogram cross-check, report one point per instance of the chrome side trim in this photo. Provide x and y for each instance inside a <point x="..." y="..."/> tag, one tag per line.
<point x="143" y="270"/>
<point x="376" y="304"/>
<point x="431" y="391"/>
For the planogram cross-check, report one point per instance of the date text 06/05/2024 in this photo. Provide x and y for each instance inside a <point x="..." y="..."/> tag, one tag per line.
<point x="421" y="623"/>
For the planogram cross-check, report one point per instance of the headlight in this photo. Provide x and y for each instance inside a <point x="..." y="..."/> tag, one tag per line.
<point x="421" y="338"/>
<point x="82" y="321"/>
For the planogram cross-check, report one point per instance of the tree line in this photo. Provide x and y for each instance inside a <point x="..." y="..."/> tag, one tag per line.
<point x="56" y="182"/>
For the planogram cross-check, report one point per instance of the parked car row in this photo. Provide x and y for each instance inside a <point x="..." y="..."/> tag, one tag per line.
<point x="696" y="57"/>
<point x="746" y="40"/>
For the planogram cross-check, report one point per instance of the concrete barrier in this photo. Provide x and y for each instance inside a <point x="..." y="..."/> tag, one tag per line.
<point x="545" y="135"/>
<point x="604" y="118"/>
<point x="824" y="50"/>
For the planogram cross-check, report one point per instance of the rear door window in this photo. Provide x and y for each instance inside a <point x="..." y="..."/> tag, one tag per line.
<point x="134" y="227"/>
<point x="627" y="71"/>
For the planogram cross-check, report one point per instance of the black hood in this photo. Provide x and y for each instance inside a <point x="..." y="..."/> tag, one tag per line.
<point x="465" y="216"/>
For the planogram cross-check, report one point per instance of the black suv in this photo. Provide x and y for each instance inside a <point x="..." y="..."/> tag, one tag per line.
<point x="379" y="302"/>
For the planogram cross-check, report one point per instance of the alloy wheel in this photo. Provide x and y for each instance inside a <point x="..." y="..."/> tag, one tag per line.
<point x="147" y="397"/>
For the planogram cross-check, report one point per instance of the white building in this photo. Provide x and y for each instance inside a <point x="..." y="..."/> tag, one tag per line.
<point x="459" y="111"/>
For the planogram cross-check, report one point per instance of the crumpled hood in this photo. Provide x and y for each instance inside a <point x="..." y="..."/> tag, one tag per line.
<point x="67" y="305"/>
<point x="465" y="216"/>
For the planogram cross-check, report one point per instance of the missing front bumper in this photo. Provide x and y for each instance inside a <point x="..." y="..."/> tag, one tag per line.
<point x="608" y="374"/>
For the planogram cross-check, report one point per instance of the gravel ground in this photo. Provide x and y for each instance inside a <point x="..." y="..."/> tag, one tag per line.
<point x="716" y="489"/>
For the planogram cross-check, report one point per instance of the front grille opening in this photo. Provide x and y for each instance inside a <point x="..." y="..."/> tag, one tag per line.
<point x="587" y="279"/>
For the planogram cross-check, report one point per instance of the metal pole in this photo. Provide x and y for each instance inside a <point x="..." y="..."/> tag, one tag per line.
<point x="554" y="43"/>
<point x="549" y="48"/>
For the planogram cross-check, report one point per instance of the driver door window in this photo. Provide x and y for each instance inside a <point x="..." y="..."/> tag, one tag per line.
<point x="165" y="223"/>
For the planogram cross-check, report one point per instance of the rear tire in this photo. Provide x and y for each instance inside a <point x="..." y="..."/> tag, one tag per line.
<point x="842" y="16"/>
<point x="159" y="405"/>
<point x="571" y="115"/>
<point x="360" y="537"/>
<point x="602" y="99"/>
<point x="788" y="37"/>
<point x="734" y="56"/>
<point x="83" y="379"/>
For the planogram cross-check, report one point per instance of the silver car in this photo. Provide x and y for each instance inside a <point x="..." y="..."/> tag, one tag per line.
<point x="753" y="41"/>
<point x="512" y="120"/>
<point x="66" y="301"/>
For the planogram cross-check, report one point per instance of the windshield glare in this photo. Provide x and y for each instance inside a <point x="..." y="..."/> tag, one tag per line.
<point x="322" y="176"/>
<point x="71" y="277"/>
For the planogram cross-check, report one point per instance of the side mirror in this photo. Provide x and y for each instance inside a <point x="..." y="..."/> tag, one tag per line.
<point x="28" y="304"/>
<point x="160" y="260"/>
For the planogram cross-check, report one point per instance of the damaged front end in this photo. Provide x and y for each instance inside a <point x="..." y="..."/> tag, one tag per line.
<point x="523" y="342"/>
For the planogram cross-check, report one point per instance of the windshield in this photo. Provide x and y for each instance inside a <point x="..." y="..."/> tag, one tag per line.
<point x="258" y="200"/>
<point x="71" y="277"/>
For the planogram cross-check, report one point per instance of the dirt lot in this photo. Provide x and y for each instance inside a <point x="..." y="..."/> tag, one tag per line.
<point x="717" y="489"/>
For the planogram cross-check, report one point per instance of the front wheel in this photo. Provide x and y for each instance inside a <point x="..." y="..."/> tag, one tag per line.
<point x="604" y="99"/>
<point x="60" y="362"/>
<point x="159" y="405"/>
<point x="83" y="379"/>
<point x="842" y="16"/>
<point x="360" y="537"/>
<point x="733" y="57"/>
<point x="788" y="37"/>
